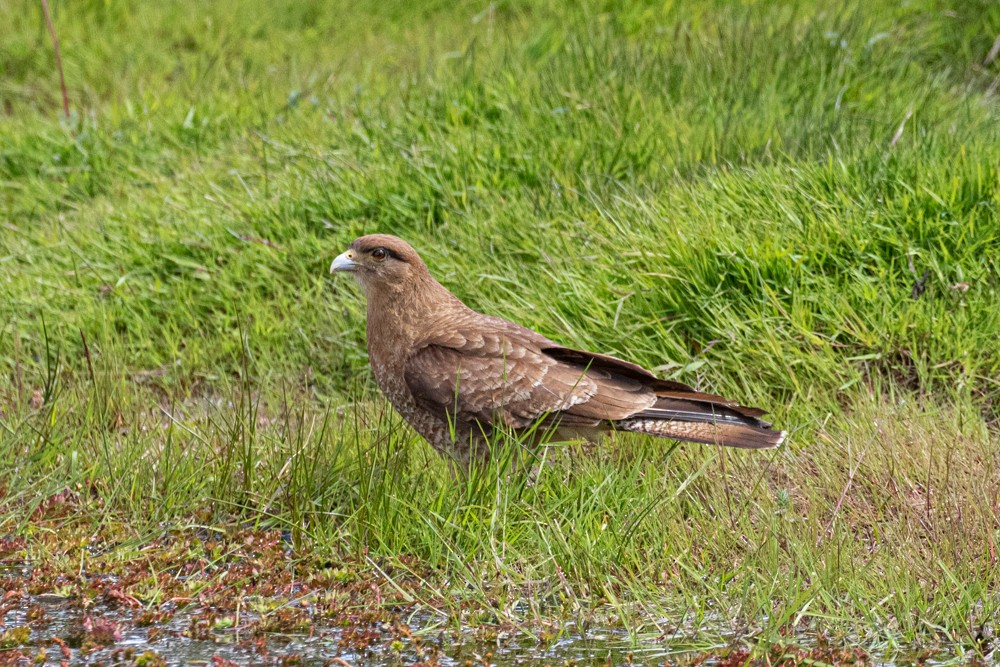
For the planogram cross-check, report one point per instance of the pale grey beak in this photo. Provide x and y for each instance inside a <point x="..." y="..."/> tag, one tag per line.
<point x="343" y="262"/>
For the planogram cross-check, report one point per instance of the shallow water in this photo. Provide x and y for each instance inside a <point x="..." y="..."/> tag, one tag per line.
<point x="387" y="646"/>
<point x="415" y="639"/>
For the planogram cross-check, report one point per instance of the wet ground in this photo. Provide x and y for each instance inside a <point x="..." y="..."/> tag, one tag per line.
<point x="71" y="595"/>
<point x="49" y="629"/>
<point x="58" y="633"/>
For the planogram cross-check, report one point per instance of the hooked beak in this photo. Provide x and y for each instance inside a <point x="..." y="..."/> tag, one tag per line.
<point x="344" y="262"/>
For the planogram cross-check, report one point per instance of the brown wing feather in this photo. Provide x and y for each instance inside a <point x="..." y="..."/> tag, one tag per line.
<point x="743" y="436"/>
<point x="493" y="372"/>
<point x="679" y="411"/>
<point x="492" y="377"/>
<point x="665" y="389"/>
<point x="492" y="369"/>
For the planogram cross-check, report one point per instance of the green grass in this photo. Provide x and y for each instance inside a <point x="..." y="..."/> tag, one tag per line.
<point x="740" y="195"/>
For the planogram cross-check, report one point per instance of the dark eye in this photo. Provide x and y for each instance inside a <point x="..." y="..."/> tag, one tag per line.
<point x="379" y="253"/>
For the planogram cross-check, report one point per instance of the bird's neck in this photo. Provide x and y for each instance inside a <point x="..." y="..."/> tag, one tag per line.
<point x="399" y="317"/>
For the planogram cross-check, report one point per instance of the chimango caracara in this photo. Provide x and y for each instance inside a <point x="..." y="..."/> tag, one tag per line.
<point x="457" y="375"/>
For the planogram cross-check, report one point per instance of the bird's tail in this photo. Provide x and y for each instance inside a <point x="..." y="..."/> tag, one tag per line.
<point x="700" y="421"/>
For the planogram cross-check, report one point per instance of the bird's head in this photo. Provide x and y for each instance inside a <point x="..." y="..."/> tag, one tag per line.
<point x="381" y="262"/>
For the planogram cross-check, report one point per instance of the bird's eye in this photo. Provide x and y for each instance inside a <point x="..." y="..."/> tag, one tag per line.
<point x="379" y="254"/>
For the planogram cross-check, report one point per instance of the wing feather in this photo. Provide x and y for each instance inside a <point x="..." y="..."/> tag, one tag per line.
<point x="492" y="372"/>
<point x="665" y="389"/>
<point x="491" y="377"/>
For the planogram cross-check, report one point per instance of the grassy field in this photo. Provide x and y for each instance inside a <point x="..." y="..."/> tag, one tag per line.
<point x="796" y="206"/>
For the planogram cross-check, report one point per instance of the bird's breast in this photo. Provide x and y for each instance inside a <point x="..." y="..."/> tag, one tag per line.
<point x="390" y="380"/>
<point x="437" y="431"/>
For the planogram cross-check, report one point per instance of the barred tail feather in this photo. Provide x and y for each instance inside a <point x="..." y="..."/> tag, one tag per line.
<point x="728" y="434"/>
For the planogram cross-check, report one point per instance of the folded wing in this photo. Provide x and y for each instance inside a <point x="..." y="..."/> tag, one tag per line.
<point x="510" y="376"/>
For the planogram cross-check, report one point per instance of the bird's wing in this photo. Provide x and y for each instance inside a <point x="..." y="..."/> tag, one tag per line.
<point x="666" y="390"/>
<point x="678" y="411"/>
<point x="494" y="376"/>
<point x="506" y="375"/>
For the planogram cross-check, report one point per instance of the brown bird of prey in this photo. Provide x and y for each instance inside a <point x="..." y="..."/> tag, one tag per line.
<point x="458" y="376"/>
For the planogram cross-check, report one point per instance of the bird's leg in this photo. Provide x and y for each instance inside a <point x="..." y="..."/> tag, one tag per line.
<point x="457" y="470"/>
<point x="537" y="463"/>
